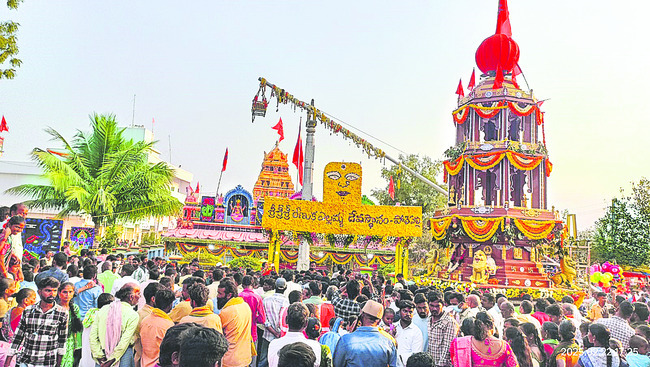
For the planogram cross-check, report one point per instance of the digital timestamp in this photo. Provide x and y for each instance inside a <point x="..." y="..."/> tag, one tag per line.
<point x="574" y="352"/>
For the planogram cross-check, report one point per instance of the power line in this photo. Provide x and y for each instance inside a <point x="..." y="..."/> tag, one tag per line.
<point x="365" y="133"/>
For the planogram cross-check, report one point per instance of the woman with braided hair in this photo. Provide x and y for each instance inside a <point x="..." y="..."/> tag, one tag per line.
<point x="520" y="347"/>
<point x="482" y="349"/>
<point x="537" y="351"/>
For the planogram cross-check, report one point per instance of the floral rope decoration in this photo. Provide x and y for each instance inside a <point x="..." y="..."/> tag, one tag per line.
<point x="284" y="97"/>
<point x="486" y="161"/>
<point x="549" y="167"/>
<point x="522" y="161"/>
<point x="185" y="248"/>
<point x="486" y="112"/>
<point x="535" y="230"/>
<point x="439" y="227"/>
<point x="481" y="229"/>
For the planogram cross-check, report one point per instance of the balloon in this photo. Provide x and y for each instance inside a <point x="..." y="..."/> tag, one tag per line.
<point x="606" y="267"/>
<point x="596" y="277"/>
<point x="606" y="285"/>
<point x="607" y="277"/>
<point x="616" y="269"/>
<point x="594" y="268"/>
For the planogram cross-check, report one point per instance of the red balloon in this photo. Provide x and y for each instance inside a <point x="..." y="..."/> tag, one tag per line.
<point x="497" y="49"/>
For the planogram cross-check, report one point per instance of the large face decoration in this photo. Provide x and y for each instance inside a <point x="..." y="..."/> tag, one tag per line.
<point x="342" y="183"/>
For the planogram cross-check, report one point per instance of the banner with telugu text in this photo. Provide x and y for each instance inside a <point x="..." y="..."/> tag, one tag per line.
<point x="369" y="220"/>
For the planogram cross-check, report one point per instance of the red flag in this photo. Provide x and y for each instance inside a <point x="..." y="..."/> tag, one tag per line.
<point x="391" y="188"/>
<point x="498" y="80"/>
<point x="280" y="129"/>
<point x="515" y="71"/>
<point x="459" y="90"/>
<point x="540" y="103"/>
<point x="3" y="125"/>
<point x="503" y="19"/>
<point x="298" y="156"/>
<point x="225" y="161"/>
<point x="472" y="80"/>
<point x="197" y="188"/>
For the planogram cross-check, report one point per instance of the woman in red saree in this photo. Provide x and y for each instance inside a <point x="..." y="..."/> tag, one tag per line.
<point x="482" y="349"/>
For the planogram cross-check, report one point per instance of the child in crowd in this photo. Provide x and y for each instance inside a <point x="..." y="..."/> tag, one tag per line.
<point x="636" y="355"/>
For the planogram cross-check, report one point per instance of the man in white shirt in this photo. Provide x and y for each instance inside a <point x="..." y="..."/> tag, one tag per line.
<point x="489" y="303"/>
<point x="421" y="318"/>
<point x="407" y="335"/>
<point x="297" y="315"/>
<point x="127" y="271"/>
<point x="291" y="286"/>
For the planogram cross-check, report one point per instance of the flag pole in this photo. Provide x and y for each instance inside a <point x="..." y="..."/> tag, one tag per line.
<point x="218" y="185"/>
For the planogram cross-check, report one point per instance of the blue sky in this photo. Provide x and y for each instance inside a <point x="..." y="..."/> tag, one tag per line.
<point x="389" y="68"/>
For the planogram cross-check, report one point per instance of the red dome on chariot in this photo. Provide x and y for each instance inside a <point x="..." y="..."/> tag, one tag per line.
<point x="499" y="49"/>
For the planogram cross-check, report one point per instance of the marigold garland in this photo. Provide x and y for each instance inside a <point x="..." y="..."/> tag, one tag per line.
<point x="439" y="227"/>
<point x="460" y="115"/>
<point x="549" y="167"/>
<point x="523" y="161"/>
<point x="534" y="229"/>
<point x="486" y="161"/>
<point x="481" y="229"/>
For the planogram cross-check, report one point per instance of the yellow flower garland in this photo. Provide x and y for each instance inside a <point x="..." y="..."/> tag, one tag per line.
<point x="533" y="229"/>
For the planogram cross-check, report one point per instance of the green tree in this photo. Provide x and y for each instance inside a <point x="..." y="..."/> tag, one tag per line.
<point x="102" y="175"/>
<point x="412" y="191"/>
<point x="9" y="45"/>
<point x="623" y="234"/>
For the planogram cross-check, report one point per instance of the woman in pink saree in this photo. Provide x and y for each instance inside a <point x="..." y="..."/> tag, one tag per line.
<point x="482" y="349"/>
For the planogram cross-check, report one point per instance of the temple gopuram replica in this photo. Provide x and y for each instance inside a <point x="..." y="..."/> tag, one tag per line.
<point x="229" y="226"/>
<point x="497" y="231"/>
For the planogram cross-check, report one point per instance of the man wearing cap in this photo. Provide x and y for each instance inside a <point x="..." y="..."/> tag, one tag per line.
<point x="408" y="336"/>
<point x="366" y="347"/>
<point x="273" y="304"/>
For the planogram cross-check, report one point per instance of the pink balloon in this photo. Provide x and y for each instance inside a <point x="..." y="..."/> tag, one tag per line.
<point x="607" y="266"/>
<point x="615" y="269"/>
<point x="594" y="268"/>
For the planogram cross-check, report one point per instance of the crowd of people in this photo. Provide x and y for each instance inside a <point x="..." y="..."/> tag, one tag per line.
<point x="100" y="309"/>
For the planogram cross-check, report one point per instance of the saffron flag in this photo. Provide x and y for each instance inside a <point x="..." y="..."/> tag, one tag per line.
<point x="280" y="129"/>
<point x="197" y="188"/>
<point x="298" y="157"/>
<point x="391" y="188"/>
<point x="515" y="71"/>
<point x="472" y="80"/>
<point x="459" y="90"/>
<point x="3" y="125"/>
<point x="498" y="80"/>
<point x="503" y="19"/>
<point x="225" y="161"/>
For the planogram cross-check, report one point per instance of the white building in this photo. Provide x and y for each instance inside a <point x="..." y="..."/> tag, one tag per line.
<point x="14" y="173"/>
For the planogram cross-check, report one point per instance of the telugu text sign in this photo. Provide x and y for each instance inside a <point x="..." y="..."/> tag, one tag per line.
<point x="369" y="220"/>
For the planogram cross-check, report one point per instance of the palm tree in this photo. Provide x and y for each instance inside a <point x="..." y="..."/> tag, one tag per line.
<point x="102" y="175"/>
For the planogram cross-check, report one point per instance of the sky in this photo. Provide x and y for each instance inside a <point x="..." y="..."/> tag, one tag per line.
<point x="388" y="68"/>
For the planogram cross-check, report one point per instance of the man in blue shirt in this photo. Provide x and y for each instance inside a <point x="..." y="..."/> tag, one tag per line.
<point x="60" y="260"/>
<point x="87" y="291"/>
<point x="367" y="346"/>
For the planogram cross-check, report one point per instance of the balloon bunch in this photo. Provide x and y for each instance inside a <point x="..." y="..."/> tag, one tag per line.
<point x="603" y="275"/>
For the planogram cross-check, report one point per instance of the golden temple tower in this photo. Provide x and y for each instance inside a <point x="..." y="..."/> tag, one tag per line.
<point x="274" y="179"/>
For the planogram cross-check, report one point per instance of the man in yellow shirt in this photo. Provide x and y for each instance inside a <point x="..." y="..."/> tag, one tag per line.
<point x="236" y="319"/>
<point x="201" y="314"/>
<point x="598" y="310"/>
<point x="185" y="307"/>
